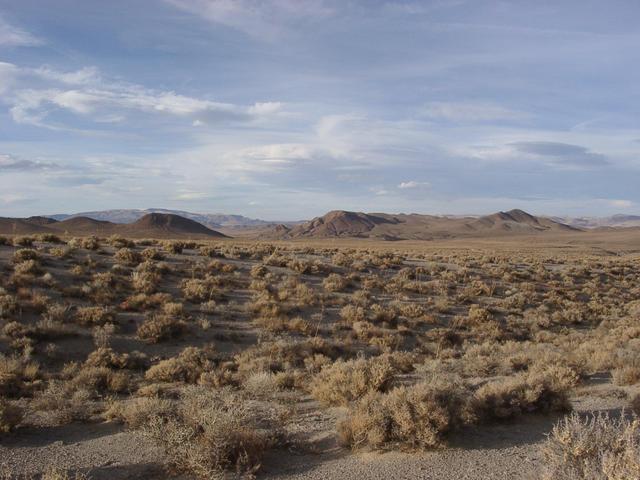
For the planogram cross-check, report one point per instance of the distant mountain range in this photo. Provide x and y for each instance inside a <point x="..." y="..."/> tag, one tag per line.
<point x="162" y="223"/>
<point x="340" y="223"/>
<point x="211" y="220"/>
<point x="614" y="221"/>
<point x="151" y="225"/>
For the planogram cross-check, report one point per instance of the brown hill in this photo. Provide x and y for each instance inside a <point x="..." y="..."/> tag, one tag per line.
<point x="339" y="224"/>
<point x="21" y="226"/>
<point x="167" y="225"/>
<point x="517" y="221"/>
<point x="84" y="226"/>
<point x="154" y="225"/>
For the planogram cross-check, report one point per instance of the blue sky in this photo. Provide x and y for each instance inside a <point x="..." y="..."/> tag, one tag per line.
<point x="286" y="109"/>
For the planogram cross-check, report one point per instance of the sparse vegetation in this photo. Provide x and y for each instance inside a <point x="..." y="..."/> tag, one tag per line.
<point x="167" y="337"/>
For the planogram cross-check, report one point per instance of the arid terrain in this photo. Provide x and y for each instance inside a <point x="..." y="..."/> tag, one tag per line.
<point x="320" y="358"/>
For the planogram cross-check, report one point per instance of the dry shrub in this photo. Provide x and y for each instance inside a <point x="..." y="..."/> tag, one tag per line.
<point x="94" y="315"/>
<point x="15" y="375"/>
<point x="23" y="241"/>
<point x="156" y="328"/>
<point x="523" y="393"/>
<point x="152" y="254"/>
<point x="626" y="375"/>
<point x="198" y="290"/>
<point x="410" y="417"/>
<point x="262" y="384"/>
<point x="335" y="283"/>
<point x="145" y="281"/>
<point x="107" y="357"/>
<point x="187" y="367"/>
<point x="596" y="447"/>
<point x="128" y="256"/>
<point x="24" y="254"/>
<point x="28" y="267"/>
<point x="10" y="416"/>
<point x="352" y="313"/>
<point x="135" y="412"/>
<point x="212" y="433"/>
<point x="99" y="380"/>
<point x="173" y="247"/>
<point x="8" y="304"/>
<point x="343" y="382"/>
<point x="144" y="301"/>
<point x="63" y="402"/>
<point x="117" y="241"/>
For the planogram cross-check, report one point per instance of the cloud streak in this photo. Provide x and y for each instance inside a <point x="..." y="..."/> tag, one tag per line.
<point x="12" y="36"/>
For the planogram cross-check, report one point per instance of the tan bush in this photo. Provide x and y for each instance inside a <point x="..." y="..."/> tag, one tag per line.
<point x="15" y="374"/>
<point x="136" y="412"/>
<point x="187" y="367"/>
<point x="594" y="447"/>
<point x="63" y="402"/>
<point x="213" y="433"/>
<point x="415" y="417"/>
<point x="156" y="328"/>
<point x="28" y="267"/>
<point x="94" y="315"/>
<point x="144" y="281"/>
<point x="343" y="382"/>
<point x="523" y="393"/>
<point x="200" y="290"/>
<point x="107" y="357"/>
<point x="127" y="256"/>
<point x="152" y="254"/>
<point x="335" y="283"/>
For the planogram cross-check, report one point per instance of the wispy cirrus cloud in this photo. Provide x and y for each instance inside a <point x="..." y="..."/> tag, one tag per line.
<point x="412" y="184"/>
<point x="470" y="112"/>
<point x="103" y="101"/>
<point x="12" y="36"/>
<point x="264" y="19"/>
<point x="15" y="164"/>
<point x="562" y="153"/>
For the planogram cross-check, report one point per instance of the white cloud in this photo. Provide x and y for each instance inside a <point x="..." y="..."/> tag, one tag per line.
<point x="12" y="36"/>
<point x="621" y="203"/>
<point x="413" y="184"/>
<point x="187" y="196"/>
<point x="8" y="73"/>
<point x="272" y="156"/>
<point x="108" y="102"/>
<point x="83" y="76"/>
<point x="469" y="112"/>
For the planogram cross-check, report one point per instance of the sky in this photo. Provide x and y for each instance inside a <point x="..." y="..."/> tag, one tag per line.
<point x="286" y="109"/>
